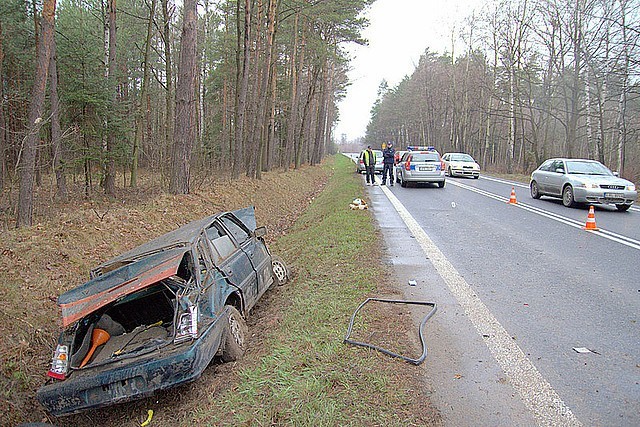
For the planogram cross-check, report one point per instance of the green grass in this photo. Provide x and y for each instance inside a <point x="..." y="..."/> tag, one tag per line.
<point x="308" y="376"/>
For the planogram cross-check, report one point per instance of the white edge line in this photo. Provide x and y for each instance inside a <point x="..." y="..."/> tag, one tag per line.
<point x="536" y="393"/>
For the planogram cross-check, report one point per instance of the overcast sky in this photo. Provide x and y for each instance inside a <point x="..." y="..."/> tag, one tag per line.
<point x="399" y="32"/>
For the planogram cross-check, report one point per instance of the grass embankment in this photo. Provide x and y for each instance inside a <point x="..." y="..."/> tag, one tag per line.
<point x="305" y="375"/>
<point x="297" y="370"/>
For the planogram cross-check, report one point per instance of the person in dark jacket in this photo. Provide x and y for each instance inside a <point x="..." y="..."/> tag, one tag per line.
<point x="389" y="155"/>
<point x="369" y="159"/>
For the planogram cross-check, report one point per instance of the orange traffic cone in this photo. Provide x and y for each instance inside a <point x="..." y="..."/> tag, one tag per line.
<point x="591" y="220"/>
<point x="512" y="199"/>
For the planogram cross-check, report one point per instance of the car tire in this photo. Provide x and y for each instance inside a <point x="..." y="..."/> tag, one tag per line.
<point x="441" y="184"/>
<point x="449" y="171"/>
<point x="535" y="191"/>
<point x="476" y="177"/>
<point x="281" y="273"/>
<point x="567" y="197"/>
<point x="234" y="336"/>
<point x="403" y="183"/>
<point x="622" y="207"/>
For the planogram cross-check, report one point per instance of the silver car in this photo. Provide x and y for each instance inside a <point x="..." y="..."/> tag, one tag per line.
<point x="581" y="181"/>
<point x="420" y="164"/>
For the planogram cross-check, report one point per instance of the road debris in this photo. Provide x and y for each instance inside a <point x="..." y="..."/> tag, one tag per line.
<point x="417" y="361"/>
<point x="358" y="204"/>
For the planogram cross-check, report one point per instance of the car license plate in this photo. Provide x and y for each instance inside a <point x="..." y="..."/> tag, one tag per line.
<point x="614" y="195"/>
<point x="425" y="168"/>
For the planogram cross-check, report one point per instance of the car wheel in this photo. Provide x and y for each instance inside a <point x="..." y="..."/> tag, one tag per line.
<point x="281" y="273"/>
<point x="235" y="336"/>
<point x="623" y="207"/>
<point x="403" y="183"/>
<point x="449" y="171"/>
<point x="476" y="177"/>
<point x="441" y="184"/>
<point x="567" y="197"/>
<point x="535" y="191"/>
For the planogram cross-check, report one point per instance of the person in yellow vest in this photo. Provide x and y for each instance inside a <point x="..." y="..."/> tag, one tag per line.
<point x="369" y="159"/>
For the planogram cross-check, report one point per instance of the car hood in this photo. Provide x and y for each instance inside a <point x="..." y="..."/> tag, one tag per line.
<point x="601" y="179"/>
<point x="107" y="288"/>
<point x="457" y="163"/>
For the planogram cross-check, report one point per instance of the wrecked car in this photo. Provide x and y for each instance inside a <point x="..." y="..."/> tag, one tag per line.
<point x="155" y="317"/>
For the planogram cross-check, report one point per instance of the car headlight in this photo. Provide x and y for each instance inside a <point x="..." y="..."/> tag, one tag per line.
<point x="588" y="185"/>
<point x="631" y="187"/>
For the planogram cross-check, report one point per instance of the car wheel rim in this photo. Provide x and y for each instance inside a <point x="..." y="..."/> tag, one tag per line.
<point x="279" y="271"/>
<point x="236" y="333"/>
<point x="568" y="196"/>
<point x="534" y="190"/>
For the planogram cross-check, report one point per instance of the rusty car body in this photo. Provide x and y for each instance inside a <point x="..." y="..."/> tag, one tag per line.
<point x="155" y="317"/>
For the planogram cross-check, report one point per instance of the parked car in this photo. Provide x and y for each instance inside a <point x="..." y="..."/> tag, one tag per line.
<point x="581" y="181"/>
<point x="155" y="317"/>
<point x="461" y="164"/>
<point x="420" y="164"/>
<point x="379" y="166"/>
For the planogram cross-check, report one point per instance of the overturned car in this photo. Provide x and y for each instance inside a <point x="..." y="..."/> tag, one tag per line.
<point x="155" y="317"/>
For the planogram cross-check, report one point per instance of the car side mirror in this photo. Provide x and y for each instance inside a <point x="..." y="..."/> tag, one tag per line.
<point x="260" y="232"/>
<point x="616" y="173"/>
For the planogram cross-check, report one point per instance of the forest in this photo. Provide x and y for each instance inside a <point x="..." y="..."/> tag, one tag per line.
<point x="94" y="91"/>
<point x="534" y="79"/>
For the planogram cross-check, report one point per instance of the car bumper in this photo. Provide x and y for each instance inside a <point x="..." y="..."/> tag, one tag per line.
<point x="412" y="176"/>
<point x="130" y="379"/>
<point x="600" y="196"/>
<point x="465" y="172"/>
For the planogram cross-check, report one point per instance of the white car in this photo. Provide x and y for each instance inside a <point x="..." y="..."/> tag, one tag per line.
<point x="461" y="164"/>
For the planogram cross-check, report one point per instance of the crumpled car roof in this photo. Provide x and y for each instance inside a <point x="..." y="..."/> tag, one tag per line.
<point x="142" y="266"/>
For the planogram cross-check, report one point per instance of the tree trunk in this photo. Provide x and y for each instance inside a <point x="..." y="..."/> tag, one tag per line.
<point x="166" y="32"/>
<point x="110" y="175"/>
<point x="184" y="132"/>
<point x="622" y="101"/>
<point x="241" y="91"/>
<point x="143" y="97"/>
<point x="28" y="161"/>
<point x="56" y="133"/>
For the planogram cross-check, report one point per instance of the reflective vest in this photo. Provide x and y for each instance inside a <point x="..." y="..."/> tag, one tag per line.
<point x="365" y="158"/>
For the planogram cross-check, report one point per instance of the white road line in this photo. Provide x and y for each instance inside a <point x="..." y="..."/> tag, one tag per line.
<point x="536" y="393"/>
<point x="615" y="237"/>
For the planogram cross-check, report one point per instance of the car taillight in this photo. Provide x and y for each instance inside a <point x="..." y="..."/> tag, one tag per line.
<point x="60" y="363"/>
<point x="407" y="165"/>
<point x="187" y="325"/>
<point x="441" y="165"/>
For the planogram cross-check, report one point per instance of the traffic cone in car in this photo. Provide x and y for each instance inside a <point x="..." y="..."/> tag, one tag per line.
<point x="512" y="199"/>
<point x="591" y="220"/>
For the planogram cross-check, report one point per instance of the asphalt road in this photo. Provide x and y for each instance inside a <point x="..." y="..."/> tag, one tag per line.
<point x="519" y="288"/>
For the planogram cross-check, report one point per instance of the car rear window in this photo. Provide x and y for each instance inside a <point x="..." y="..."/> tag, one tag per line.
<point x="425" y="157"/>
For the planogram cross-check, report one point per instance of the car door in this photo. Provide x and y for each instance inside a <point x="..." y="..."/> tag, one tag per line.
<point x="542" y="176"/>
<point x="556" y="178"/>
<point x="232" y="261"/>
<point x="255" y="250"/>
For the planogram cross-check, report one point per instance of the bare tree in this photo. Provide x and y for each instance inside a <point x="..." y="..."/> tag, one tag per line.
<point x="56" y="133"/>
<point x="184" y="131"/>
<point x="110" y="175"/>
<point x="28" y="160"/>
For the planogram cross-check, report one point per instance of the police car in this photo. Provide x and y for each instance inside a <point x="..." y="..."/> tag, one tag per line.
<point x="420" y="164"/>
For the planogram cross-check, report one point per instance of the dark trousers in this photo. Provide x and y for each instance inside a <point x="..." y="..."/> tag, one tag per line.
<point x="388" y="169"/>
<point x="370" y="171"/>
